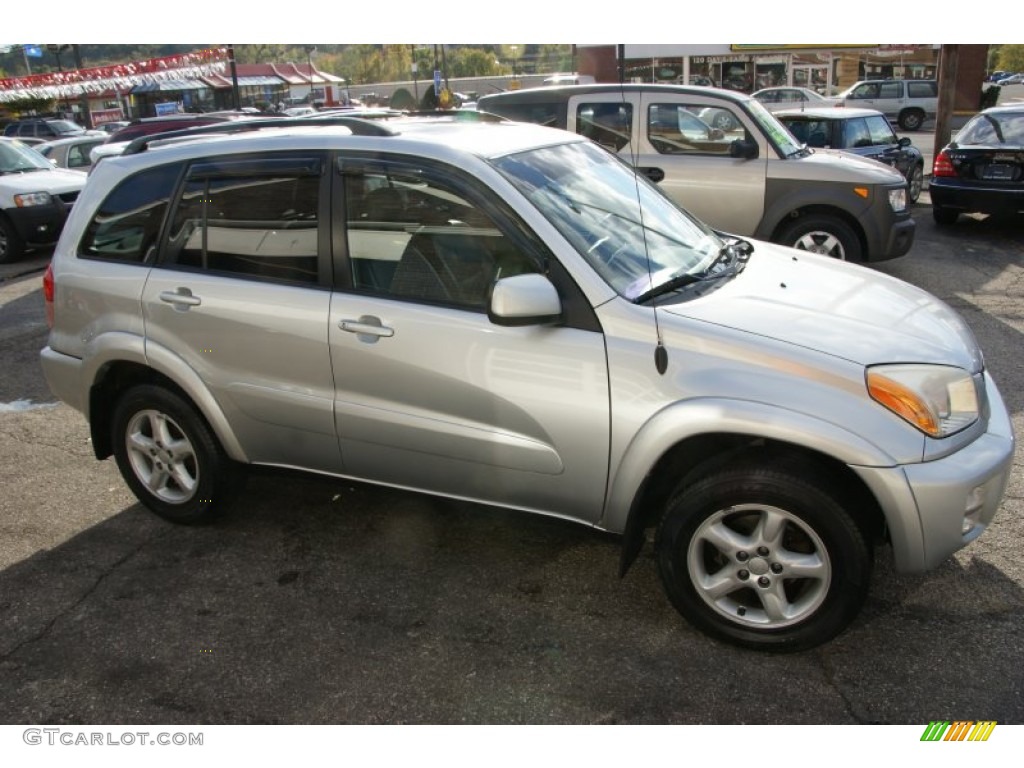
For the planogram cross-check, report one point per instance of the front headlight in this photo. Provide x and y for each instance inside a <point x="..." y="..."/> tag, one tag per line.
<point x="937" y="399"/>
<point x="32" y="198"/>
<point x="898" y="199"/>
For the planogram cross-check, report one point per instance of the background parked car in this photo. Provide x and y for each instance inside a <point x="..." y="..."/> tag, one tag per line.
<point x="776" y="99"/>
<point x="147" y="126"/>
<point x="909" y="102"/>
<point x="982" y="169"/>
<point x="864" y="132"/>
<point x="72" y="152"/>
<point x="1015" y="79"/>
<point x="35" y="199"/>
<point x="39" y="129"/>
<point x="112" y="127"/>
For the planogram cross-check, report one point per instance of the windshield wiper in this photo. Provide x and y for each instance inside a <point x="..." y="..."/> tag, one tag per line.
<point x="730" y="261"/>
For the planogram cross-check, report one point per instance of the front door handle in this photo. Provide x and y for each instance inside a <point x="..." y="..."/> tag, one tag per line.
<point x="367" y="328"/>
<point x="181" y="298"/>
<point x="654" y="174"/>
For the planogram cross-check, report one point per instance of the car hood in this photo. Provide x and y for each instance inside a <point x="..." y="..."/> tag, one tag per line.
<point x="838" y="165"/>
<point x="845" y="310"/>
<point x="56" y="181"/>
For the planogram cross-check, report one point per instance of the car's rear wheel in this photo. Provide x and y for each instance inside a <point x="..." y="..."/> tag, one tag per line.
<point x="11" y="246"/>
<point x="760" y="557"/>
<point x="911" y="119"/>
<point x="170" y="458"/>
<point x="915" y="182"/>
<point x="944" y="216"/>
<point x="822" y="234"/>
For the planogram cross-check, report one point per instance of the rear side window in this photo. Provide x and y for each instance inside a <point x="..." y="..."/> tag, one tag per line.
<point x="126" y="226"/>
<point x="922" y="90"/>
<point x="253" y="218"/>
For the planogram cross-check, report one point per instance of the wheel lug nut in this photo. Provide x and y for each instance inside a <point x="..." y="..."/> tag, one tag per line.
<point x="742" y="557"/>
<point x="743" y="575"/>
<point x="762" y="551"/>
<point x="763" y="581"/>
<point x="776" y="567"/>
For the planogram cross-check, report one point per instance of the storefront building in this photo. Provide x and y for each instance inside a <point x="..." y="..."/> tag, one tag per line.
<point x="747" y="68"/>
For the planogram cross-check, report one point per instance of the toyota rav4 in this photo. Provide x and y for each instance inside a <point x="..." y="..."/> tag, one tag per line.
<point x="506" y="313"/>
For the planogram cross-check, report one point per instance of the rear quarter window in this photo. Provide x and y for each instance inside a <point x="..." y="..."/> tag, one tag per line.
<point x="127" y="223"/>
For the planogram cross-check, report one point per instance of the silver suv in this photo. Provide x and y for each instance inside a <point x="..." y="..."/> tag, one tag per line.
<point x="505" y="313"/>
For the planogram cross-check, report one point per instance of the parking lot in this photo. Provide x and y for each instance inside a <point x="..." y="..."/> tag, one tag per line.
<point x="325" y="601"/>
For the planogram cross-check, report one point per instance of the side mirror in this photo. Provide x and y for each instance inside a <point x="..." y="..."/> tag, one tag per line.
<point x="904" y="142"/>
<point x="528" y="299"/>
<point x="744" y="149"/>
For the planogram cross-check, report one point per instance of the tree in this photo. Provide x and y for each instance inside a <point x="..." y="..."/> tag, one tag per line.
<point x="1010" y="58"/>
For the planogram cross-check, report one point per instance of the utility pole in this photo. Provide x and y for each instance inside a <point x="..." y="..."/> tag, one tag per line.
<point x="236" y="104"/>
<point x="949" y="60"/>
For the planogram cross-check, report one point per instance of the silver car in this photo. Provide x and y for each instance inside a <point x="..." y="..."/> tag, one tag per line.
<point x="506" y="313"/>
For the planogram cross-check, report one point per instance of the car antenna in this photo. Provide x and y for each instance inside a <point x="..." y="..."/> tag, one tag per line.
<point x="660" y="353"/>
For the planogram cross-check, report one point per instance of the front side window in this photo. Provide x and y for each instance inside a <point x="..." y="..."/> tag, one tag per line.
<point x="127" y="223"/>
<point x="880" y="130"/>
<point x="865" y="91"/>
<point x="609" y="124"/>
<point x="417" y="233"/>
<point x="675" y="129"/>
<point x="626" y="229"/>
<point x="856" y="133"/>
<point x="252" y="218"/>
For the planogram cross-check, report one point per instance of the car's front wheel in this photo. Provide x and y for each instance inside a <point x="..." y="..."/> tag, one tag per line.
<point x="915" y="182"/>
<point x="822" y="234"/>
<point x="170" y="458"/>
<point x="762" y="558"/>
<point x="11" y="246"/>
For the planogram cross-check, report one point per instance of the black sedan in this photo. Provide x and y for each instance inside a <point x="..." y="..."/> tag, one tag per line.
<point x="864" y="132"/>
<point x="982" y="169"/>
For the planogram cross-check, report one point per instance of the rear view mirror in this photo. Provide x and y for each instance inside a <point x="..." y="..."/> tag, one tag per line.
<point x="524" y="300"/>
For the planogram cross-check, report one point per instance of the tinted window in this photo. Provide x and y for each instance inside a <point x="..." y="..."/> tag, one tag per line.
<point x="609" y="124"/>
<point x="922" y="90"/>
<point x="255" y="218"/>
<point x="890" y="91"/>
<point x="415" y="233"/>
<point x="881" y="131"/>
<point x="126" y="225"/>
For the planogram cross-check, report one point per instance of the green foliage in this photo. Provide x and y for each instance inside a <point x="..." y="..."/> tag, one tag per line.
<point x="1010" y="58"/>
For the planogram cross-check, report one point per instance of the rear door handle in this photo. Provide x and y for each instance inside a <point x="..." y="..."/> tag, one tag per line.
<point x="182" y="298"/>
<point x="654" y="174"/>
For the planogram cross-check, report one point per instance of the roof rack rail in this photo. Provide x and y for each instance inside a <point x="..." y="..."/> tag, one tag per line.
<point x="470" y="115"/>
<point x="358" y="126"/>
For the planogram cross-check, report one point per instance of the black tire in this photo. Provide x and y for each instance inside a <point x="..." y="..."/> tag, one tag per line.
<point x="915" y="182"/>
<point x="824" y="234"/>
<point x="944" y="216"/>
<point x="12" y="247"/>
<point x="802" y="589"/>
<point x="170" y="458"/>
<point x="911" y="119"/>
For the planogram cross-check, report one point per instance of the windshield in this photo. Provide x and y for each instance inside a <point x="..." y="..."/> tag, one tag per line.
<point x="628" y="231"/>
<point x="770" y="124"/>
<point x="16" y="157"/>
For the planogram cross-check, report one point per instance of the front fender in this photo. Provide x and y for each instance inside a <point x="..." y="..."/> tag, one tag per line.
<point x="722" y="416"/>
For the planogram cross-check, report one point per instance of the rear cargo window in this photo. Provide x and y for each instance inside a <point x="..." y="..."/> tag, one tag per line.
<point x="127" y="223"/>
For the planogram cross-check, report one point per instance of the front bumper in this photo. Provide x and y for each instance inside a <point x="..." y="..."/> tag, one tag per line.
<point x="937" y="507"/>
<point x="39" y="225"/>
